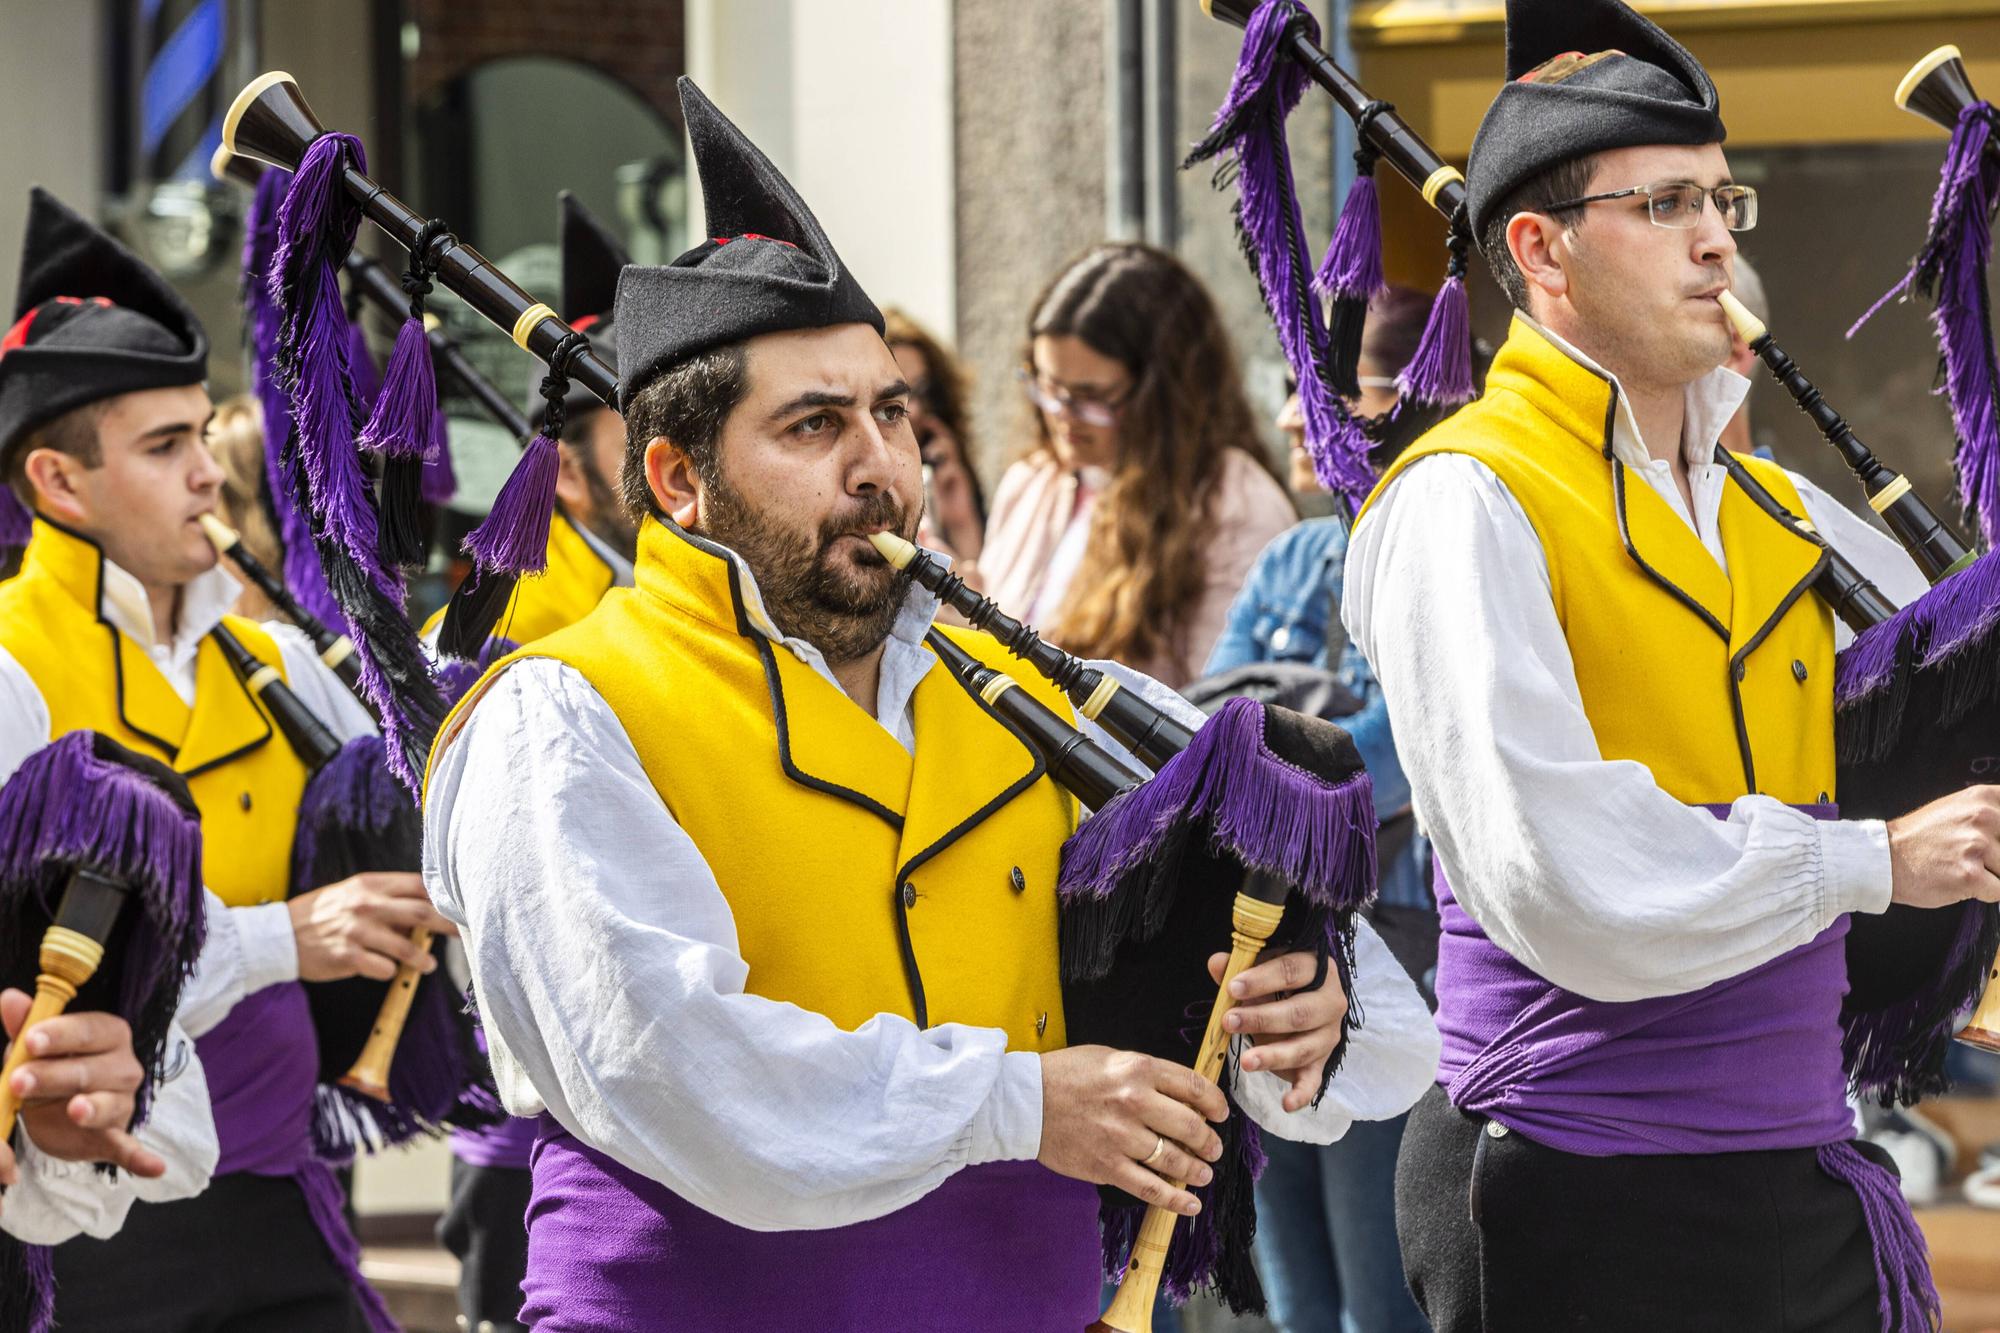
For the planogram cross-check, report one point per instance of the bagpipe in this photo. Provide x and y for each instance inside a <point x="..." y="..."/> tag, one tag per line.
<point x="1270" y="813"/>
<point x="1907" y="684"/>
<point x="354" y="817"/>
<point x="101" y="910"/>
<point x="396" y="1058"/>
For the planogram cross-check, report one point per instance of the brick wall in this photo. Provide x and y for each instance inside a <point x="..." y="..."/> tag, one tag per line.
<point x="638" y="42"/>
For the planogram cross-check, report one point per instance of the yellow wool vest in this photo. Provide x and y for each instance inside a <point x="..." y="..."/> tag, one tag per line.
<point x="863" y="880"/>
<point x="244" y="777"/>
<point x="561" y="595"/>
<point x="1721" y="684"/>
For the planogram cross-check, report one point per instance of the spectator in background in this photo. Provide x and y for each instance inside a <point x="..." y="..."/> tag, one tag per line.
<point x="1326" y="1216"/>
<point x="236" y="438"/>
<point x="955" y="506"/>
<point x="1146" y="494"/>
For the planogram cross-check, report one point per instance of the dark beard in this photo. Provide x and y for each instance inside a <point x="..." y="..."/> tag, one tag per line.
<point x="614" y="527"/>
<point x="806" y="596"/>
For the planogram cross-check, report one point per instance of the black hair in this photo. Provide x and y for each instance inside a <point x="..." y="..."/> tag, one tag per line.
<point x="687" y="404"/>
<point x="1564" y="180"/>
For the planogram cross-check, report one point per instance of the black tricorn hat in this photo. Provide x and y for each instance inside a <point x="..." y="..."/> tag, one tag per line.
<point x="91" y="321"/>
<point x="1583" y="77"/>
<point x="592" y="257"/>
<point x="766" y="268"/>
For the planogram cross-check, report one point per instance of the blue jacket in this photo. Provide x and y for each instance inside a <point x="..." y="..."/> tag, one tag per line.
<point x="1286" y="613"/>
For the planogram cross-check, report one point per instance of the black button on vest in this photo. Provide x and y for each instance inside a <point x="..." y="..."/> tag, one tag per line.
<point x="1018" y="880"/>
<point x="909" y="896"/>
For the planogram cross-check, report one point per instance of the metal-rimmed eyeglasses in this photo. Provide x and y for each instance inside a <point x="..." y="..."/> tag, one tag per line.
<point x="1090" y="407"/>
<point x="1677" y="205"/>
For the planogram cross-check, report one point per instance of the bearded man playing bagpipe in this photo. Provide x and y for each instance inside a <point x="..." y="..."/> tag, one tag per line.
<point x="1613" y="692"/>
<point x="783" y="1086"/>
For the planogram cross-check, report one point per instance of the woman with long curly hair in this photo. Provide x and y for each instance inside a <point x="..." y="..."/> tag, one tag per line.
<point x="1146" y="492"/>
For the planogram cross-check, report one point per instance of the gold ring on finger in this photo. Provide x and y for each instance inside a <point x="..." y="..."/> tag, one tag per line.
<point x="1159" y="1151"/>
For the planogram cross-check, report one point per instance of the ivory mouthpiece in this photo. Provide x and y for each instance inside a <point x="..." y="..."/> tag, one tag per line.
<point x="894" y="549"/>
<point x="251" y="92"/>
<point x="220" y="534"/>
<point x="1748" y="326"/>
<point x="1922" y="70"/>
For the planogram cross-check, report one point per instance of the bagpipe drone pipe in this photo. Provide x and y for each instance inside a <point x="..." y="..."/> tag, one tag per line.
<point x="398" y="1058"/>
<point x="1255" y="790"/>
<point x="1916" y="690"/>
<point x="100" y="911"/>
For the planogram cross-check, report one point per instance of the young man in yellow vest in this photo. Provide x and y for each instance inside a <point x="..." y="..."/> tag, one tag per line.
<point x="1613" y="695"/>
<point x="112" y="625"/>
<point x="759" y="905"/>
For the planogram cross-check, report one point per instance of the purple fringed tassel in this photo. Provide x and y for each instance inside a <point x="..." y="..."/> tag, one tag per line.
<point x="440" y="482"/>
<point x="1440" y="374"/>
<point x="361" y="361"/>
<point x="16" y="523"/>
<point x="403" y="430"/>
<point x="1353" y="263"/>
<point x="262" y="318"/>
<point x="1350" y="277"/>
<point x="1907" y="1297"/>
<point x="514" y="536"/>
<point x="328" y="1207"/>
<point x="1250" y="129"/>
<point x="1318" y="836"/>
<point x="1951" y="270"/>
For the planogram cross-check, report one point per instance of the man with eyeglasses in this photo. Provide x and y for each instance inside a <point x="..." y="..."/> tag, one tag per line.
<point x="1612" y="694"/>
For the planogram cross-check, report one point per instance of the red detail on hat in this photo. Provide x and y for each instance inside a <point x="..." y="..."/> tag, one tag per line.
<point x="753" y="236"/>
<point x="18" y="335"/>
<point x="581" y="324"/>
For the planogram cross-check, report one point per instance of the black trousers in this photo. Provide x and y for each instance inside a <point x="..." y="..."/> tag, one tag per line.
<point x="243" y="1256"/>
<point x="1503" y="1235"/>
<point x="486" y="1226"/>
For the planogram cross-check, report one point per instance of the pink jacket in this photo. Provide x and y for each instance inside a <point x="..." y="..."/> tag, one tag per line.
<point x="1035" y="536"/>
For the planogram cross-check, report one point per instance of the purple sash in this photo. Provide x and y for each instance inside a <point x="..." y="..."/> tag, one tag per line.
<point x="1002" y="1247"/>
<point x="1748" y="1063"/>
<point x="262" y="1064"/>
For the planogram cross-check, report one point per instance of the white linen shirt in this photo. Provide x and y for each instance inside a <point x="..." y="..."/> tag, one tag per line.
<point x="247" y="948"/>
<point x="610" y="983"/>
<point x="1583" y="868"/>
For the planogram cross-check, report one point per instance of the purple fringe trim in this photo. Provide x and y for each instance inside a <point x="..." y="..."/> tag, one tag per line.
<point x="1895" y="1056"/>
<point x="353" y="790"/>
<point x="64" y="807"/>
<point x="1440" y="374"/>
<point x="406" y="420"/>
<point x="1220" y="1234"/>
<point x="328" y="1208"/>
<point x="1951" y="269"/>
<point x="27" y="1286"/>
<point x="1352" y="268"/>
<point x="1316" y="835"/>
<point x="1265" y="89"/>
<point x="1948" y="628"/>
<point x="514" y="536"/>
<point x="1908" y="1299"/>
<point x="262" y="321"/>
<point x="316" y="226"/>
